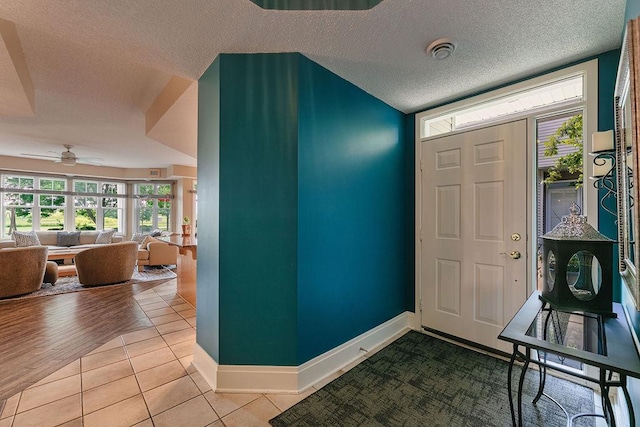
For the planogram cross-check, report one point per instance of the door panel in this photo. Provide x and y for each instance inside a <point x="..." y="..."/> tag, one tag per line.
<point x="474" y="197"/>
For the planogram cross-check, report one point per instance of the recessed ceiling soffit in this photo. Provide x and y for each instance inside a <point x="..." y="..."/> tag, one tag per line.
<point x="317" y="4"/>
<point x="172" y="119"/>
<point x="16" y="85"/>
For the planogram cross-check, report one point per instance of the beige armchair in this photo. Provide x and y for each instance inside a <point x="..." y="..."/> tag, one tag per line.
<point x="23" y="270"/>
<point x="156" y="252"/>
<point x="107" y="264"/>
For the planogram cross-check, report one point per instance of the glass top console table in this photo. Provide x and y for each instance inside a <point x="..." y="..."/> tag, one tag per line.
<point x="541" y="335"/>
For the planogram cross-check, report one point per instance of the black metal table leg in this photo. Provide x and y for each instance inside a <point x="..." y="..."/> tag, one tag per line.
<point x="543" y="378"/>
<point x="511" y="362"/>
<point x="607" y="408"/>
<point x="627" y="397"/>
<point x="521" y="383"/>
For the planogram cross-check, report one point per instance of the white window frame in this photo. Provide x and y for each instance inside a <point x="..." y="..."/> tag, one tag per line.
<point x="99" y="196"/>
<point x="155" y="208"/>
<point x="69" y="207"/>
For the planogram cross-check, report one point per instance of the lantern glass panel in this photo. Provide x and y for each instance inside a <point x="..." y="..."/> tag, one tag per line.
<point x="551" y="270"/>
<point x="584" y="275"/>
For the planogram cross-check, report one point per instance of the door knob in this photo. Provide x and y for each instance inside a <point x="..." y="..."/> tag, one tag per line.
<point x="513" y="254"/>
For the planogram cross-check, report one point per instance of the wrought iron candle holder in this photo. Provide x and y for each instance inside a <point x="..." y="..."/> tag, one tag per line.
<point x="607" y="182"/>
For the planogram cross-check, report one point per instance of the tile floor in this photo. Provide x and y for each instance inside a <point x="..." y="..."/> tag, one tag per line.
<point x="144" y="378"/>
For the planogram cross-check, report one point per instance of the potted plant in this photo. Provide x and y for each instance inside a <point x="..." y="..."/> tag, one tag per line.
<point x="186" y="226"/>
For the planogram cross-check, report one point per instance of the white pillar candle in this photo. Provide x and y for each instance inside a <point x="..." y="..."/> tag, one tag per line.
<point x="602" y="169"/>
<point x="602" y="141"/>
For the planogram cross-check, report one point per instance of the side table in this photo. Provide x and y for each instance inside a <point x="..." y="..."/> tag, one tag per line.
<point x="606" y="343"/>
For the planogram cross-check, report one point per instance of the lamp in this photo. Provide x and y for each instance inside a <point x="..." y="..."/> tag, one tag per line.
<point x="577" y="266"/>
<point x="602" y="141"/>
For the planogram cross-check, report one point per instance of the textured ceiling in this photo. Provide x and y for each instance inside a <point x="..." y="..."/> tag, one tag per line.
<point x="97" y="66"/>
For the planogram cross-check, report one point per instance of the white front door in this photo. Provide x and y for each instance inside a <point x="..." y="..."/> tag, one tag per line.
<point x="473" y="227"/>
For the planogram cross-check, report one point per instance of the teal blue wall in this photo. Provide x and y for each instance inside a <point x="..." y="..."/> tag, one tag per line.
<point x="306" y="177"/>
<point x="207" y="290"/>
<point x="258" y="209"/>
<point x="351" y="247"/>
<point x="633" y="9"/>
<point x="607" y="71"/>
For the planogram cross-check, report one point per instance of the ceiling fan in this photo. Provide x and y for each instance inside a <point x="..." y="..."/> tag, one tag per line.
<point x="68" y="158"/>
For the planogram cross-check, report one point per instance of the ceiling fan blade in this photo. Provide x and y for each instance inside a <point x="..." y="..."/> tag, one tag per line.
<point x="39" y="155"/>
<point x="95" y="161"/>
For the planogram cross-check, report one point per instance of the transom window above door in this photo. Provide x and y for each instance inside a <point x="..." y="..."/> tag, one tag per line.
<point x="527" y="101"/>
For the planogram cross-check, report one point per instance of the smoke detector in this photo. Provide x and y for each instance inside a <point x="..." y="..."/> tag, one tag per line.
<point x="441" y="48"/>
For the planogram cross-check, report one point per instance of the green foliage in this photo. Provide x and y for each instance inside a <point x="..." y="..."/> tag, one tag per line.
<point x="569" y="133"/>
<point x="85" y="223"/>
<point x="51" y="219"/>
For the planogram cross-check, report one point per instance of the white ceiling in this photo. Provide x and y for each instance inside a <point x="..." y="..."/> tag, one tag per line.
<point x="98" y="65"/>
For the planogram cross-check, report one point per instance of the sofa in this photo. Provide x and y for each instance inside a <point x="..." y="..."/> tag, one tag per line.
<point x="49" y="238"/>
<point x="26" y="273"/>
<point x="151" y="251"/>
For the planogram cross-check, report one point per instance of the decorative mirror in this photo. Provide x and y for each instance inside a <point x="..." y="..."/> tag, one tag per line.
<point x="626" y="142"/>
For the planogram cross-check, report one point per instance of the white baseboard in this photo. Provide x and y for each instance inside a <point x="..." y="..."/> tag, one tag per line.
<point x="296" y="379"/>
<point x="332" y="361"/>
<point x="206" y="365"/>
<point x="257" y="379"/>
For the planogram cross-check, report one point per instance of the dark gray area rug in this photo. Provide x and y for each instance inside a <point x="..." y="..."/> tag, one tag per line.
<point x="419" y="380"/>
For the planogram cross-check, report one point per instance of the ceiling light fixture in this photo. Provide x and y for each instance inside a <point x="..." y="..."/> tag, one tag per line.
<point x="68" y="161"/>
<point x="441" y="48"/>
<point x="68" y="158"/>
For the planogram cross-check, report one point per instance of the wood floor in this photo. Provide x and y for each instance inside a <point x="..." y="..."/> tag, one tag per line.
<point x="40" y="335"/>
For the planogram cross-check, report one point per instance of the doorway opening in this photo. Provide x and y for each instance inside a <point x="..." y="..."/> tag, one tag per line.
<point x="544" y="104"/>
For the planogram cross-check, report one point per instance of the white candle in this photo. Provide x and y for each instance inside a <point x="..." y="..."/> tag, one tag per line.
<point x="602" y="169"/>
<point x="602" y="141"/>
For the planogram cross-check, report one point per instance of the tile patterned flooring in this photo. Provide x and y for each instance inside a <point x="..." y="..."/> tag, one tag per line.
<point x="144" y="378"/>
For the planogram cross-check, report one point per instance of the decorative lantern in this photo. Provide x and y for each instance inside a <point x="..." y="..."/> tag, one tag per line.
<point x="577" y="266"/>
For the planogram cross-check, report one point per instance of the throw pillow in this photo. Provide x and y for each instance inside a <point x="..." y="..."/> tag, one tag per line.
<point x="104" y="237"/>
<point x="26" y="238"/>
<point x="146" y="241"/>
<point x="68" y="238"/>
<point x="155" y="233"/>
<point x="139" y="237"/>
